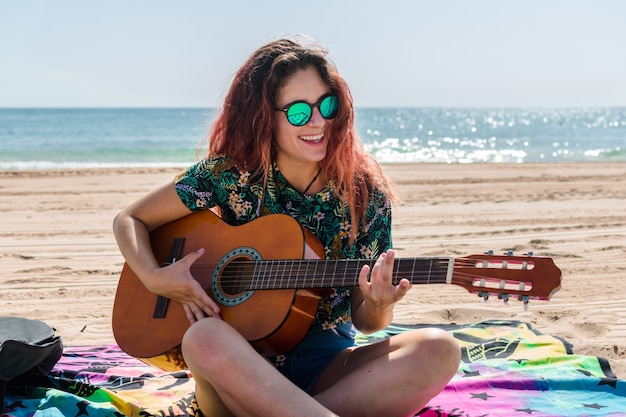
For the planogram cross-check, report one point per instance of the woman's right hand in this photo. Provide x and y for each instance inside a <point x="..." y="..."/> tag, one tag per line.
<point x="176" y="282"/>
<point x="132" y="227"/>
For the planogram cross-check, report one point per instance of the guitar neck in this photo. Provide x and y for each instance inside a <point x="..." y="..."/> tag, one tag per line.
<point x="323" y="273"/>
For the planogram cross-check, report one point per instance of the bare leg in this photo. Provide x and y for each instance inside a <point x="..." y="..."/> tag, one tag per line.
<point x="395" y="377"/>
<point x="233" y="379"/>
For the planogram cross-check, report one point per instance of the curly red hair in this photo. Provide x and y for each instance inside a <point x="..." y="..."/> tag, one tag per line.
<point x="243" y="128"/>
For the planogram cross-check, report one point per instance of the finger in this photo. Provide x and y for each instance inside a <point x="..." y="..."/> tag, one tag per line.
<point x="195" y="312"/>
<point x="363" y="279"/>
<point x="383" y="268"/>
<point x="377" y="269"/>
<point x="206" y="303"/>
<point x="190" y="316"/>
<point x="192" y="257"/>
<point x="202" y="299"/>
<point x="390" y="257"/>
<point x="402" y="289"/>
<point x="388" y="264"/>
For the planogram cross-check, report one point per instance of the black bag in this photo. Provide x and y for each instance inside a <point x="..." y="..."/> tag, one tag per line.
<point x="27" y="348"/>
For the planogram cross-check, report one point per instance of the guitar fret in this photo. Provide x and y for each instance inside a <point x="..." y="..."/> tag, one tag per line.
<point x="270" y="276"/>
<point x="317" y="261"/>
<point x="291" y="274"/>
<point x="274" y="267"/>
<point x="295" y="273"/>
<point x="430" y="268"/>
<point x="301" y="277"/>
<point x="396" y="274"/>
<point x="303" y="271"/>
<point x="325" y="268"/>
<point x="259" y="274"/>
<point x="283" y="271"/>
<point x="263" y="274"/>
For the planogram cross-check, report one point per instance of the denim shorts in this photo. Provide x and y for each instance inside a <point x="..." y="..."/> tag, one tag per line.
<point x="304" y="363"/>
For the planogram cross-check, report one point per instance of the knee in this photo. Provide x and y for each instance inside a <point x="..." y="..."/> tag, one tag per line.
<point x="441" y="350"/>
<point x="206" y="338"/>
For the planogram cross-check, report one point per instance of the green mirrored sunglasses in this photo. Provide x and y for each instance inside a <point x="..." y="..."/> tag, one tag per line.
<point x="299" y="112"/>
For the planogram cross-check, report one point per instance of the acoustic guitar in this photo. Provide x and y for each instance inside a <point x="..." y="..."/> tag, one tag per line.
<point x="268" y="276"/>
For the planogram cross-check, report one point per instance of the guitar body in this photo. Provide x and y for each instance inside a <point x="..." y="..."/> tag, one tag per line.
<point x="273" y="321"/>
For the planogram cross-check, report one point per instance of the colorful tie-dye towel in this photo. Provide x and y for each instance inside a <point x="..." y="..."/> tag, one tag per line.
<point x="508" y="369"/>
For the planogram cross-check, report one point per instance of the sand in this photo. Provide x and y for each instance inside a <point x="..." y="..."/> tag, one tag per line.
<point x="61" y="265"/>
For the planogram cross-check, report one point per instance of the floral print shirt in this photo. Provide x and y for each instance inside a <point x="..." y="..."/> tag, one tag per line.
<point x="242" y="198"/>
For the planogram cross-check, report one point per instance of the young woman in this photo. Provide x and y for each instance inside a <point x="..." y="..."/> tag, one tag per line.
<point x="284" y="141"/>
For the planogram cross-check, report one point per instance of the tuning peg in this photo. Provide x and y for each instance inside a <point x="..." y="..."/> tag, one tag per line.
<point x="484" y="295"/>
<point x="526" y="300"/>
<point x="530" y="253"/>
<point x="489" y="252"/>
<point x="505" y="299"/>
<point x="510" y="253"/>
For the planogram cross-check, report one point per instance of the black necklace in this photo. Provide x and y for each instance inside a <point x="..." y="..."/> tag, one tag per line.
<point x="312" y="181"/>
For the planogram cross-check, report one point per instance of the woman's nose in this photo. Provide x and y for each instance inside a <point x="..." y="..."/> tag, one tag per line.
<point x="316" y="118"/>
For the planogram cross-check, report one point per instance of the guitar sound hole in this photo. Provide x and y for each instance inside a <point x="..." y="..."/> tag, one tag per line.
<point x="236" y="276"/>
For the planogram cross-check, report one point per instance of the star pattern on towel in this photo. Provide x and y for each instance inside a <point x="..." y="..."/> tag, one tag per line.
<point x="82" y="408"/>
<point x="525" y="410"/>
<point x="483" y="396"/>
<point x="17" y="404"/>
<point x="469" y="374"/>
<point x="595" y="405"/>
<point x="611" y="381"/>
<point x="608" y="381"/>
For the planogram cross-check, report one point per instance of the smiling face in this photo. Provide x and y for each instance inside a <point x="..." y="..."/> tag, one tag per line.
<point x="300" y="148"/>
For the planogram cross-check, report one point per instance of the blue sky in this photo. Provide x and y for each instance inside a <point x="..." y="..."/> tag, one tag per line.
<point x="539" y="53"/>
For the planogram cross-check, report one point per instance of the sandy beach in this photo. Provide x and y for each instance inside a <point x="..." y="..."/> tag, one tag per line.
<point x="61" y="265"/>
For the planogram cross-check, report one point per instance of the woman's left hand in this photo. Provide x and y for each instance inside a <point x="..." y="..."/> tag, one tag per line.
<point x="379" y="292"/>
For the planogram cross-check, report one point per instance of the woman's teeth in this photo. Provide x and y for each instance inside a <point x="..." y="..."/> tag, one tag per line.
<point x="312" y="138"/>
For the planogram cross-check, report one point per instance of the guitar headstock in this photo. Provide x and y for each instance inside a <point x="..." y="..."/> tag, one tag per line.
<point x="524" y="277"/>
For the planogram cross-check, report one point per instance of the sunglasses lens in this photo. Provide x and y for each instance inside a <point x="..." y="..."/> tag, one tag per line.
<point x="299" y="114"/>
<point x="329" y="106"/>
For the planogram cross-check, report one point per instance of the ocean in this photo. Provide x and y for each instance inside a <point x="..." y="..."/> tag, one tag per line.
<point x="32" y="139"/>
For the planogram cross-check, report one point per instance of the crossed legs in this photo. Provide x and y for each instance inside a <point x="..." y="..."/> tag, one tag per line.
<point x="395" y="377"/>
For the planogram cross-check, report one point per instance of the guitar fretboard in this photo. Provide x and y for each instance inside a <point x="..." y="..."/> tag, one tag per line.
<point x="322" y="273"/>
